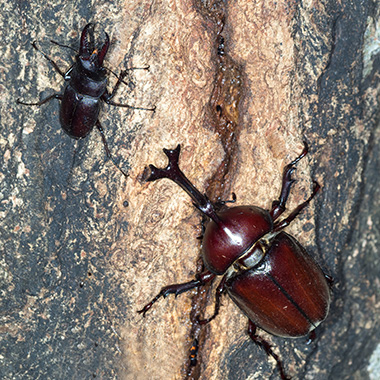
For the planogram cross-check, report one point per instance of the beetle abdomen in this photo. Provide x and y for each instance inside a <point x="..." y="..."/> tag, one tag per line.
<point x="78" y="113"/>
<point x="287" y="294"/>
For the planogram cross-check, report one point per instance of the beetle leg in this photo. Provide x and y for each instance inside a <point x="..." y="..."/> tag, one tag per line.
<point x="68" y="73"/>
<point x="109" y="155"/>
<point x="153" y="109"/>
<point x="108" y="96"/>
<point x="59" y="71"/>
<point x="137" y="68"/>
<point x="285" y="222"/>
<point x="177" y="289"/>
<point x="219" y="291"/>
<point x="121" y="77"/>
<point x="43" y="101"/>
<point x="267" y="348"/>
<point x="278" y="206"/>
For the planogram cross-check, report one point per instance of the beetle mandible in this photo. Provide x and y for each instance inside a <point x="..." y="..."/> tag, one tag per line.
<point x="266" y="272"/>
<point x="86" y="89"/>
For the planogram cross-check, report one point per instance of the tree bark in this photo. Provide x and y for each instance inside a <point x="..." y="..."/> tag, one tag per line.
<point x="239" y="85"/>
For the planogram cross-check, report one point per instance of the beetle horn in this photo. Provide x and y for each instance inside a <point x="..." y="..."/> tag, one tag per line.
<point x="84" y="49"/>
<point x="175" y="174"/>
<point x="103" y="50"/>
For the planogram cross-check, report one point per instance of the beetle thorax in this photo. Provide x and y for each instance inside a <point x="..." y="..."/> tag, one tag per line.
<point x="85" y="84"/>
<point x="233" y="235"/>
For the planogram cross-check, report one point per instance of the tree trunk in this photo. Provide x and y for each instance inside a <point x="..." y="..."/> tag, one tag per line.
<point x="239" y="85"/>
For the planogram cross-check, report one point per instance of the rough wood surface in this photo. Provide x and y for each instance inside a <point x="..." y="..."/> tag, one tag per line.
<point x="239" y="85"/>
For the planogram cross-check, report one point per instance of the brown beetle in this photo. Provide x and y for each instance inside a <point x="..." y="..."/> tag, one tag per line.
<point x="267" y="273"/>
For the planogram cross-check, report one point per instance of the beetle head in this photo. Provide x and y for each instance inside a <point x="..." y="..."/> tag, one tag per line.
<point x="89" y="56"/>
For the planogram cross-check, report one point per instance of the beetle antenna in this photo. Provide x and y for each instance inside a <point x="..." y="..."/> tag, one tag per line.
<point x="63" y="45"/>
<point x="175" y="174"/>
<point x="61" y="73"/>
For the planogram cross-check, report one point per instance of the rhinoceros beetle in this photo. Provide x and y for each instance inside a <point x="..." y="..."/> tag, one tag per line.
<point x="266" y="272"/>
<point x="86" y="88"/>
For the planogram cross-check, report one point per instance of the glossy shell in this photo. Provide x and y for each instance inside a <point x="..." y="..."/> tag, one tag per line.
<point x="78" y="113"/>
<point x="239" y="228"/>
<point x="287" y="294"/>
<point x="81" y="100"/>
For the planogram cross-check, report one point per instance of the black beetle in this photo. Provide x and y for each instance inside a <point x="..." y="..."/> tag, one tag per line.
<point x="85" y="90"/>
<point x="266" y="272"/>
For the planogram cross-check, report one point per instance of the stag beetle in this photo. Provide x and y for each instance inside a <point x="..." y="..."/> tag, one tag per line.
<point x="86" y="88"/>
<point x="266" y="272"/>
